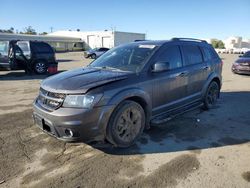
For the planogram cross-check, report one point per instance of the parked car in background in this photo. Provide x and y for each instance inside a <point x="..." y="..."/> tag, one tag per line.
<point x="244" y="50"/>
<point x="128" y="89"/>
<point x="236" y="50"/>
<point x="16" y="55"/>
<point x="95" y="53"/>
<point x="221" y="51"/>
<point x="242" y="64"/>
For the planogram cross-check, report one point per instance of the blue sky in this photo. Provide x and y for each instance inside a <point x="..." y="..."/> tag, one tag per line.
<point x="159" y="19"/>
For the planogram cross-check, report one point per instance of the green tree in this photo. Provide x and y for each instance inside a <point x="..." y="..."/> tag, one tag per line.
<point x="29" y="30"/>
<point x="10" y="30"/>
<point x="217" y="43"/>
<point x="43" y="33"/>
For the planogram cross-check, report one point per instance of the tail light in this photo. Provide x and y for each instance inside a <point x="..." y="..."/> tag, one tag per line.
<point x="221" y="63"/>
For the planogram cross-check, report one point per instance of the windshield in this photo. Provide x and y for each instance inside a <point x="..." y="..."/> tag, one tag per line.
<point x="4" y="46"/>
<point x="247" y="54"/>
<point x="130" y="57"/>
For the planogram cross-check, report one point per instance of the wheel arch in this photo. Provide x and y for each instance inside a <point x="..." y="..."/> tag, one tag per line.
<point x="137" y="95"/>
<point x="212" y="77"/>
<point x="39" y="60"/>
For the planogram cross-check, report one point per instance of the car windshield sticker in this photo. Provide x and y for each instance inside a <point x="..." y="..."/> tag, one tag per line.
<point x="146" y="46"/>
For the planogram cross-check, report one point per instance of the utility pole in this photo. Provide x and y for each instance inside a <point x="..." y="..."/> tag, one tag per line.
<point x="51" y="29"/>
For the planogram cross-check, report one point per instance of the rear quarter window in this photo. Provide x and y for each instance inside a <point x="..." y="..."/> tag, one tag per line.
<point x="42" y="48"/>
<point x="213" y="53"/>
<point x="208" y="55"/>
<point x="192" y="54"/>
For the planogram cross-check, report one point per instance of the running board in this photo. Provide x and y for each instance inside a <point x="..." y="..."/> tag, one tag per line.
<point x="161" y="119"/>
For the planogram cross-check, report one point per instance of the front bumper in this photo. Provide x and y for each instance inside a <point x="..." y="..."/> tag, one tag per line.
<point x="72" y="124"/>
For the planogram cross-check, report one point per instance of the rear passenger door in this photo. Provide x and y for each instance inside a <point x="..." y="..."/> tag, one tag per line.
<point x="169" y="86"/>
<point x="197" y="70"/>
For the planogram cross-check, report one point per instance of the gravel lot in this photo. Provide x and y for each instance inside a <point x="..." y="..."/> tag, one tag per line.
<point x="198" y="149"/>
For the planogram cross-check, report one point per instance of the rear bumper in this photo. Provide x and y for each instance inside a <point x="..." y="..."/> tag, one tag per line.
<point x="70" y="124"/>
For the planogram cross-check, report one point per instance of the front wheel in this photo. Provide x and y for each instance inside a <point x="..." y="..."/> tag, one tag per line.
<point x="93" y="56"/>
<point x="212" y="95"/>
<point x="126" y="124"/>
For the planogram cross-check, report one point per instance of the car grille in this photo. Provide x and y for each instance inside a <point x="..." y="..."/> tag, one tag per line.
<point x="49" y="100"/>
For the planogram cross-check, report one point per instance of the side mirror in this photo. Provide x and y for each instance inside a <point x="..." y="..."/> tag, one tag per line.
<point x="161" y="66"/>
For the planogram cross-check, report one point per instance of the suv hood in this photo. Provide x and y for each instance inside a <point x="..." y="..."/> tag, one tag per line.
<point x="81" y="80"/>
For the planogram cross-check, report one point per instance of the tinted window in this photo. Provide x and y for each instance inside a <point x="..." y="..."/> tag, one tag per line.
<point x="172" y="55"/>
<point x="103" y="49"/>
<point x="78" y="45"/>
<point x="247" y="54"/>
<point x="24" y="46"/>
<point x="207" y="54"/>
<point x="213" y="52"/>
<point x="42" y="48"/>
<point x="192" y="54"/>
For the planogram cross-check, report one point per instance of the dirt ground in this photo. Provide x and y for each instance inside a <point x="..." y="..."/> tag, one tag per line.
<point x="198" y="149"/>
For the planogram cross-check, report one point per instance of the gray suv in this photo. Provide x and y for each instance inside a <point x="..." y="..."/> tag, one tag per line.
<point x="128" y="89"/>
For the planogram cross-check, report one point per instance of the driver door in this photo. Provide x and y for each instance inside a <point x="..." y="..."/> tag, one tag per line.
<point x="170" y="87"/>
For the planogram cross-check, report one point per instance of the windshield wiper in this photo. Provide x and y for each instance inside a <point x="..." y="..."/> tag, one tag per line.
<point x="111" y="68"/>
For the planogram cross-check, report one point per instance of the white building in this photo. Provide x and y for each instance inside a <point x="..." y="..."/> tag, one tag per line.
<point x="105" y="38"/>
<point x="236" y="42"/>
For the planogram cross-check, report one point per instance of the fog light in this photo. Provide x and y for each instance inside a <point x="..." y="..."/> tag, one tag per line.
<point x="68" y="133"/>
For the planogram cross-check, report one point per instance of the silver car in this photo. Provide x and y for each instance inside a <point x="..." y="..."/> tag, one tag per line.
<point x="95" y="53"/>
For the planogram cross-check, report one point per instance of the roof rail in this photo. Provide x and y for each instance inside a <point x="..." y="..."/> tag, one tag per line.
<point x="188" y="39"/>
<point x="140" y="40"/>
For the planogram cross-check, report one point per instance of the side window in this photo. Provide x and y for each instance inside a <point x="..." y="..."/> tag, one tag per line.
<point x="4" y="47"/>
<point x="213" y="53"/>
<point x="172" y="55"/>
<point x="24" y="46"/>
<point x="207" y="54"/>
<point x="247" y="54"/>
<point x="42" y="48"/>
<point x="192" y="54"/>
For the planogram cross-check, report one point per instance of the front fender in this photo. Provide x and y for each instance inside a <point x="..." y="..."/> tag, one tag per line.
<point x="134" y="93"/>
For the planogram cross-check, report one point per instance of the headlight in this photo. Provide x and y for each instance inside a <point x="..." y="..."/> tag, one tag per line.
<point x="81" y="101"/>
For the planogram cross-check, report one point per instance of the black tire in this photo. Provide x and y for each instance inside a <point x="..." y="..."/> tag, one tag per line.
<point x="40" y="67"/>
<point x="122" y="130"/>
<point x="93" y="56"/>
<point x="212" y="94"/>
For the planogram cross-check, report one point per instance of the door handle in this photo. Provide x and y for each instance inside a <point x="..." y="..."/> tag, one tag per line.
<point x="182" y="74"/>
<point x="205" y="68"/>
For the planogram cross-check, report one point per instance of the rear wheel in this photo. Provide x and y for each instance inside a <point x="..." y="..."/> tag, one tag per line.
<point x="212" y="95"/>
<point x="126" y="124"/>
<point x="40" y="67"/>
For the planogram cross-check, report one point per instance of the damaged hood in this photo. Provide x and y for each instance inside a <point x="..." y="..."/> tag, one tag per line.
<point x="81" y="80"/>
